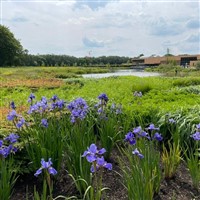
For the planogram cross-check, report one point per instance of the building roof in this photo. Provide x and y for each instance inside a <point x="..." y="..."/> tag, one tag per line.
<point x="159" y="59"/>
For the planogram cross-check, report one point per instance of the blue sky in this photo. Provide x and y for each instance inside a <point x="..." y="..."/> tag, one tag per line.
<point x="109" y="27"/>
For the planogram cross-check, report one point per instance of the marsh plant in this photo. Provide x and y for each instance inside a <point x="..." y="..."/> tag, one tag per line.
<point x="192" y="159"/>
<point x="171" y="159"/>
<point x="8" y="167"/>
<point x="42" y="131"/>
<point x="46" y="170"/>
<point x="96" y="159"/>
<point x="109" y="123"/>
<point x="140" y="163"/>
<point x="79" y="136"/>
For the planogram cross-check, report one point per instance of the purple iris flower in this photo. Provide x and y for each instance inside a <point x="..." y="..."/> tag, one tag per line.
<point x="44" y="123"/>
<point x="103" y="97"/>
<point x="78" y="109"/>
<point x="31" y="97"/>
<point x="119" y="109"/>
<point x="100" y="110"/>
<point x="1" y="143"/>
<point x="137" y="153"/>
<point x="44" y="100"/>
<point x="20" y="123"/>
<point x="152" y="127"/>
<point x="137" y="130"/>
<point x="12" y="138"/>
<point x="40" y="107"/>
<point x="145" y="135"/>
<point x="158" y="137"/>
<point x="54" y="98"/>
<point x="198" y="126"/>
<point x="59" y="104"/>
<point x="33" y="108"/>
<point x="11" y="116"/>
<point x="12" y="105"/>
<point x="129" y="137"/>
<point x="113" y="106"/>
<point x="100" y="162"/>
<point x="46" y="165"/>
<point x="196" y="136"/>
<point x="172" y="121"/>
<point x="92" y="153"/>
<point x="6" y="150"/>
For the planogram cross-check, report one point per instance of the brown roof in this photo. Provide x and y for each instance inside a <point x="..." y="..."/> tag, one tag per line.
<point x="158" y="59"/>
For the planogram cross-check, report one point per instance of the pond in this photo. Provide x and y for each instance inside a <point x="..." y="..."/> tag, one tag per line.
<point x="127" y="72"/>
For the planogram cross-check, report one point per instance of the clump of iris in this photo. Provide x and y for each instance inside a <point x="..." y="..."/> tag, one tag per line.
<point x="12" y="105"/>
<point x="117" y="109"/>
<point x="57" y="103"/>
<point x="39" y="107"/>
<point x="101" y="105"/>
<point x="78" y="109"/>
<point x="132" y="136"/>
<point x="30" y="98"/>
<point x="94" y="156"/>
<point x="196" y="135"/>
<point x="17" y="119"/>
<point x="7" y="145"/>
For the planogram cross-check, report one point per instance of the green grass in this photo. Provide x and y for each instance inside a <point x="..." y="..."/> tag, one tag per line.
<point x="160" y="94"/>
<point x="47" y="72"/>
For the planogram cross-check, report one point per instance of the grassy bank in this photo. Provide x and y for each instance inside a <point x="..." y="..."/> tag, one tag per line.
<point x="160" y="94"/>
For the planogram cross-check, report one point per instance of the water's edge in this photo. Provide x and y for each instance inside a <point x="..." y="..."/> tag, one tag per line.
<point x="127" y="72"/>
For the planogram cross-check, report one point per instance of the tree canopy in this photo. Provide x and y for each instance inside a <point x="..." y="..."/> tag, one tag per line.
<point x="10" y="48"/>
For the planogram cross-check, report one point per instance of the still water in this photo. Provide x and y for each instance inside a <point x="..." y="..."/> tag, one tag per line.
<point x="127" y="72"/>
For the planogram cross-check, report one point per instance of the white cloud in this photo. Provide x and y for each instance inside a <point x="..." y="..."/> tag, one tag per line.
<point x="106" y="28"/>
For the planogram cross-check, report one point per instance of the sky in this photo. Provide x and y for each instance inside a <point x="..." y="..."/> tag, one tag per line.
<point x="104" y="27"/>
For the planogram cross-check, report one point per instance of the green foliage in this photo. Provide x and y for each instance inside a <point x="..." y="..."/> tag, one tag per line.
<point x="8" y="177"/>
<point x="111" y="126"/>
<point x="78" y="137"/>
<point x="186" y="81"/>
<point x="193" y="164"/>
<point x="10" y="48"/>
<point x="41" y="142"/>
<point x="44" y="195"/>
<point x="144" y="174"/>
<point x="48" y="72"/>
<point x="184" y="126"/>
<point x="171" y="159"/>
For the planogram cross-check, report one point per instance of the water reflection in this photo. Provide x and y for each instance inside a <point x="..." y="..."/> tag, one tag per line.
<point x="127" y="72"/>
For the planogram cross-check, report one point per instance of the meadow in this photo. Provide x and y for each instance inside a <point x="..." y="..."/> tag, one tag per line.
<point x="65" y="137"/>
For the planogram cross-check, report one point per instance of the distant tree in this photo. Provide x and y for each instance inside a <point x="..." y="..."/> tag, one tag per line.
<point x="140" y="55"/>
<point x="10" y="48"/>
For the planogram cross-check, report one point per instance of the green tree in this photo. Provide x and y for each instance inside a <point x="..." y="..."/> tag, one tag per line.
<point x="10" y="48"/>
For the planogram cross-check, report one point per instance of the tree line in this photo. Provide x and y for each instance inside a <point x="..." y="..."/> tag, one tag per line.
<point x="66" y="60"/>
<point x="12" y="53"/>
